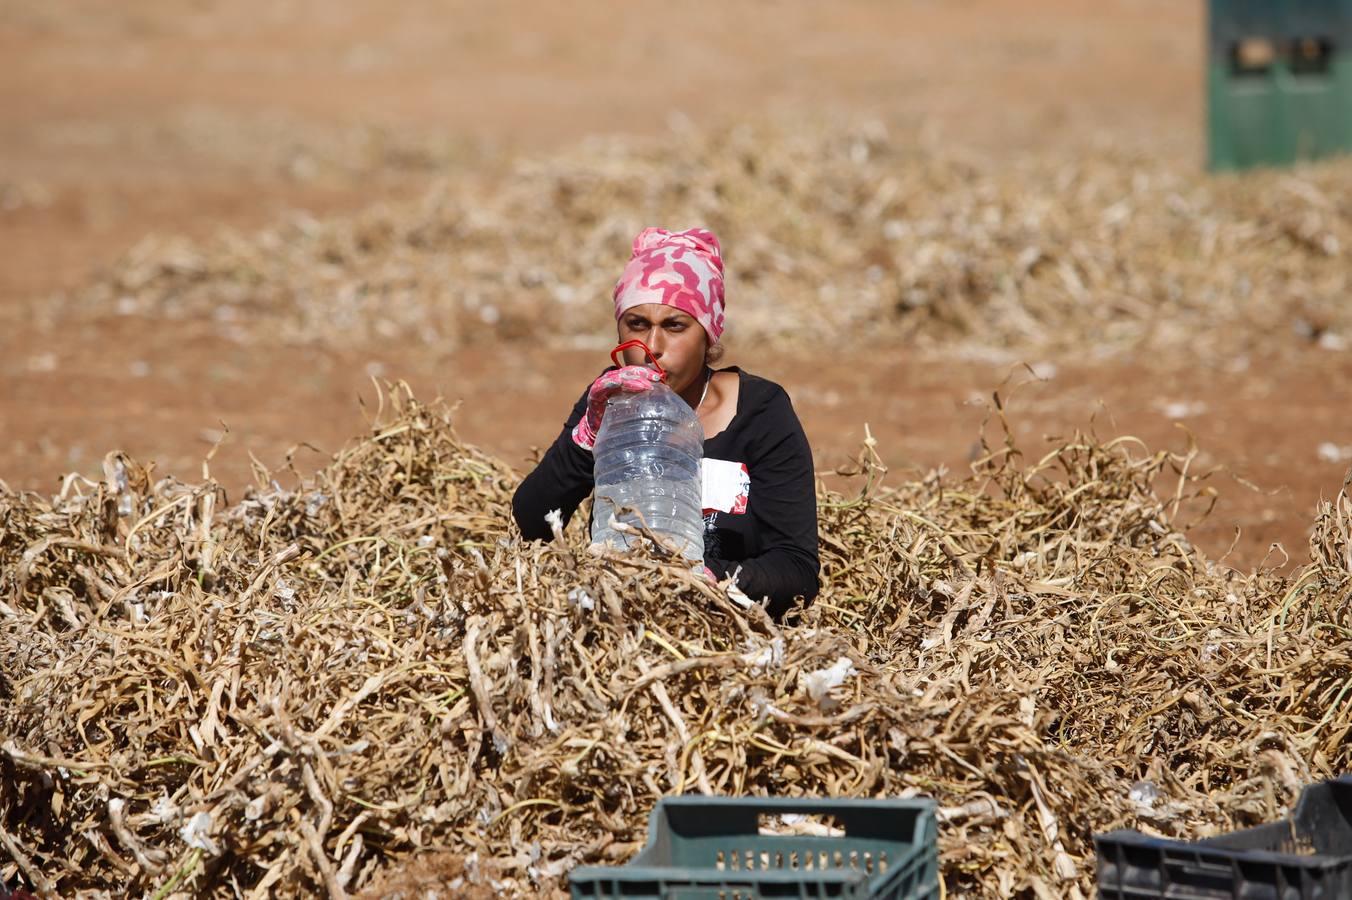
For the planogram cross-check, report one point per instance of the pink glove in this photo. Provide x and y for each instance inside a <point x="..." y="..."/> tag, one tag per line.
<point x="631" y="379"/>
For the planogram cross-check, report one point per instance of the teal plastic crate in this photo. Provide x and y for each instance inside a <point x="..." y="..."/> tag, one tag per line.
<point x="702" y="848"/>
<point x="1279" y="81"/>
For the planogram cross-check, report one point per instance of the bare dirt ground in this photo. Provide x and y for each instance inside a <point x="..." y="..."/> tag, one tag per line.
<point x="187" y="118"/>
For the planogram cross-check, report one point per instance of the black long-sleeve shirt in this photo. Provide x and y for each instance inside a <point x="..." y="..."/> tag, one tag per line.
<point x="760" y="500"/>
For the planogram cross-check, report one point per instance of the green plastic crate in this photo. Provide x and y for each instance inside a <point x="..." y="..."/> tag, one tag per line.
<point x="1279" y="81"/>
<point x="702" y="848"/>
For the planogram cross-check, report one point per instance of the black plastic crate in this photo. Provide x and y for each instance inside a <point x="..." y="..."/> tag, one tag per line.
<point x="714" y="847"/>
<point x="1305" y="857"/>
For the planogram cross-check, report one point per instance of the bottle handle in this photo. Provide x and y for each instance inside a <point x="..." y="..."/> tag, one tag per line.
<point x="615" y="356"/>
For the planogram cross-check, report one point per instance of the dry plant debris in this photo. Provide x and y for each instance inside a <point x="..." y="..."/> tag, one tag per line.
<point x="316" y="689"/>
<point x="833" y="231"/>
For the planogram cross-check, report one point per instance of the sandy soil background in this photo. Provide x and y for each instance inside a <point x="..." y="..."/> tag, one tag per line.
<point x="123" y="121"/>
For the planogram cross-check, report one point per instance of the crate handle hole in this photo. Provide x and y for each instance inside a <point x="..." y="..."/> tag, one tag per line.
<point x="1311" y="55"/>
<point x="817" y="825"/>
<point x="1252" y="57"/>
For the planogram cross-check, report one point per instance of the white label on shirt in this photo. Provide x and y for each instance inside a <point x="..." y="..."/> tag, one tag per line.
<point x="727" y="486"/>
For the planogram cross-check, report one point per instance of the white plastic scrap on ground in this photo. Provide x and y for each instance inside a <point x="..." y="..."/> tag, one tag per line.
<point x="820" y="683"/>
<point x="197" y="833"/>
<point x="1330" y="452"/>
<point x="1143" y="794"/>
<point x="164" y="810"/>
<point x="766" y="658"/>
<point x="1181" y="409"/>
<point x="1045" y="370"/>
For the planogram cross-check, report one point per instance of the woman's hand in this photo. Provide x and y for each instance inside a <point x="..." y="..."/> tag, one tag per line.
<point x="630" y="379"/>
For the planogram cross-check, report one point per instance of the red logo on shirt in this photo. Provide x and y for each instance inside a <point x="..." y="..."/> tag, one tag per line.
<point x="727" y="486"/>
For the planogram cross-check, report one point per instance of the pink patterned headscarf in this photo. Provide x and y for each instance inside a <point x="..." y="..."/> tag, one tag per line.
<point x="683" y="269"/>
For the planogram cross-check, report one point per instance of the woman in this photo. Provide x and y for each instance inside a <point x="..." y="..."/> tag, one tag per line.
<point x="760" y="504"/>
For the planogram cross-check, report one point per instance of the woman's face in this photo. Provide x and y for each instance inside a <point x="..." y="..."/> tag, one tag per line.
<point x="675" y="338"/>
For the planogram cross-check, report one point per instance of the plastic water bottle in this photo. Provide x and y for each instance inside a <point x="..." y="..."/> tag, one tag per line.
<point x="647" y="457"/>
